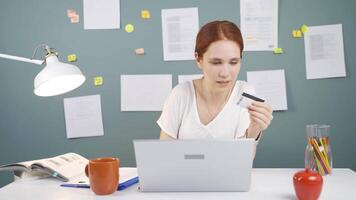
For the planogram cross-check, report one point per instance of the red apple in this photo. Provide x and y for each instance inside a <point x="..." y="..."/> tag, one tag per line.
<point x="307" y="184"/>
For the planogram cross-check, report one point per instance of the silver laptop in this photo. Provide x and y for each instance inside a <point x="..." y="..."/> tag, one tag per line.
<point x="194" y="165"/>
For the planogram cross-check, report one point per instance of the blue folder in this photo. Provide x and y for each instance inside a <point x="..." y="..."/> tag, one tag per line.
<point x="121" y="186"/>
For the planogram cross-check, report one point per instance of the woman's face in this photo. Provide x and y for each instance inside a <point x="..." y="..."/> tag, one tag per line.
<point x="221" y="64"/>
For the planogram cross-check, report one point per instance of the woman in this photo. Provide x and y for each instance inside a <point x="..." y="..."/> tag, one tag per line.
<point x="208" y="107"/>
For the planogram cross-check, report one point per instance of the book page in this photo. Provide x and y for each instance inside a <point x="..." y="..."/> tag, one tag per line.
<point x="21" y="166"/>
<point x="68" y="165"/>
<point x="14" y="167"/>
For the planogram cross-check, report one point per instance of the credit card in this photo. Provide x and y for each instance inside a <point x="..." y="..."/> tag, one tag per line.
<point x="247" y="99"/>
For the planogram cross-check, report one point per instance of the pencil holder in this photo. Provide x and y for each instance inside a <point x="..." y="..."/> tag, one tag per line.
<point x="318" y="155"/>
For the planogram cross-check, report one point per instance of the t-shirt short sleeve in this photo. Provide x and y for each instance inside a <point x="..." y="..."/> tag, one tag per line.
<point x="171" y="116"/>
<point x="244" y="123"/>
<point x="244" y="115"/>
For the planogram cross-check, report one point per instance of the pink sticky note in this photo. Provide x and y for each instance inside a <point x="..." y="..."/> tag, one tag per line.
<point x="140" y="51"/>
<point x="74" y="19"/>
<point x="71" y="13"/>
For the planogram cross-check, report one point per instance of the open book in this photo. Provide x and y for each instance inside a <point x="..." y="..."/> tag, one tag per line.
<point x="64" y="167"/>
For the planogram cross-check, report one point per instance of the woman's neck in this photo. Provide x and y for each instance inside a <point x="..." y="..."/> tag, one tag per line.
<point x="210" y="101"/>
<point x="214" y="95"/>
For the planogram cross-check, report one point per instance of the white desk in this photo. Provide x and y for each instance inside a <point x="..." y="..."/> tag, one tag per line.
<point x="266" y="184"/>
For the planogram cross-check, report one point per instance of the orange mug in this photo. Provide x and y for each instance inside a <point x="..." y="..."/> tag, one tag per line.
<point x="103" y="174"/>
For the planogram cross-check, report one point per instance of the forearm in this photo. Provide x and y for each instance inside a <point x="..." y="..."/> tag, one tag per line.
<point x="253" y="133"/>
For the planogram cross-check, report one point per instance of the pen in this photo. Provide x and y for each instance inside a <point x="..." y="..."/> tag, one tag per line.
<point x="75" y="185"/>
<point x="121" y="186"/>
<point x="127" y="183"/>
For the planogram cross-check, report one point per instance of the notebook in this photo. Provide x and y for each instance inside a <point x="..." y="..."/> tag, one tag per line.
<point x="194" y="165"/>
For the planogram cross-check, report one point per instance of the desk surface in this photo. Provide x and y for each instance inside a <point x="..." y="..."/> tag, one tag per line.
<point x="266" y="184"/>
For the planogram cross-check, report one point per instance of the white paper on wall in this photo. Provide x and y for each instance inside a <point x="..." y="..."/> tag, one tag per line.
<point x="179" y="30"/>
<point x="83" y="116"/>
<point x="270" y="85"/>
<point x="101" y="14"/>
<point x="324" y="52"/>
<point x="259" y="24"/>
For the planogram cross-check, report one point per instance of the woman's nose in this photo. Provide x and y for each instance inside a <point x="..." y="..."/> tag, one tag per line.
<point x="224" y="71"/>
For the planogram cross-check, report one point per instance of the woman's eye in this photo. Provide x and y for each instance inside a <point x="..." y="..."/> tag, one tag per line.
<point x="215" y="63"/>
<point x="235" y="62"/>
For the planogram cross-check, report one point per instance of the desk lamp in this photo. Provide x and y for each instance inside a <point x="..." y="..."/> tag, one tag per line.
<point x="56" y="77"/>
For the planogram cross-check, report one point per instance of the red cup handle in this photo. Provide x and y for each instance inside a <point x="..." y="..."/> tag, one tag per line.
<point x="86" y="170"/>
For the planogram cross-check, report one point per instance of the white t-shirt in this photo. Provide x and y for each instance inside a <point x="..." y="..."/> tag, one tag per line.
<point x="180" y="119"/>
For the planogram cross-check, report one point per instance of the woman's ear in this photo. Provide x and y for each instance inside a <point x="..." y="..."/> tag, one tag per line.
<point x="198" y="60"/>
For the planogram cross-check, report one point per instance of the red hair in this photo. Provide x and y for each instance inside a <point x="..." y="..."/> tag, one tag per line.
<point x="214" y="31"/>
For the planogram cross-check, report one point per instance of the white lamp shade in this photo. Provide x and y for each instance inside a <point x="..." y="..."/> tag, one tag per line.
<point x="57" y="78"/>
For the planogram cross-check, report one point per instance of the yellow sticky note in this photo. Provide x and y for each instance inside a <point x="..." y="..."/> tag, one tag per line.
<point x="278" y="50"/>
<point x="129" y="28"/>
<point x="145" y="14"/>
<point x="72" y="58"/>
<point x="304" y="28"/>
<point x="98" y="80"/>
<point x="297" y="33"/>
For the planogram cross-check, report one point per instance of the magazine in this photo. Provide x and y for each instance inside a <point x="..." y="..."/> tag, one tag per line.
<point x="64" y="167"/>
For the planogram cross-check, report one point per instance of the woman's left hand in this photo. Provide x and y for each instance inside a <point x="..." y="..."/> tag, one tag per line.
<point x="260" y="116"/>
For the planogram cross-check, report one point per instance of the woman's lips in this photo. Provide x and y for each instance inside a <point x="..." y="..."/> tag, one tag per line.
<point x="223" y="82"/>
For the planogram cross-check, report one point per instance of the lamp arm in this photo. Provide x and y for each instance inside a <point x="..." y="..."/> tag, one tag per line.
<point x="38" y="62"/>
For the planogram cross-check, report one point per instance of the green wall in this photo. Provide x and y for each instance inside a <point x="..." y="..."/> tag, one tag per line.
<point x="32" y="127"/>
